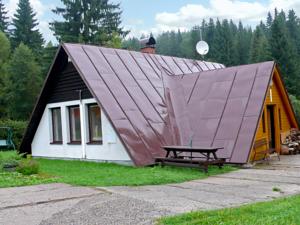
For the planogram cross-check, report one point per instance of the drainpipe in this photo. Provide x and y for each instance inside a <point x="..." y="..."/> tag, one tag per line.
<point x="82" y="125"/>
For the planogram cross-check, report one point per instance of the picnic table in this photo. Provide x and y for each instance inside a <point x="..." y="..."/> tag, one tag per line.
<point x="205" y="156"/>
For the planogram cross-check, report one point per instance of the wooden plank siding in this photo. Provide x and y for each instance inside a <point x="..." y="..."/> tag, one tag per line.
<point x="284" y="118"/>
<point x="66" y="86"/>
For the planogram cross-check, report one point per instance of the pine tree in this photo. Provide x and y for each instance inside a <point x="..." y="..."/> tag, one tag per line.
<point x="4" y="49"/>
<point x="269" y="20"/>
<point x="242" y="47"/>
<point x="173" y="47"/>
<point x="163" y="44"/>
<point x="114" y="42"/>
<point x="275" y="13"/>
<point x="131" y="44"/>
<point x="216" y="47"/>
<point x="25" y="30"/>
<point x="3" y="18"/>
<point x="48" y="55"/>
<point x="223" y="45"/>
<point x="194" y="38"/>
<point x="210" y="38"/>
<point x="94" y="21"/>
<point x="178" y="43"/>
<point x="4" y="55"/>
<point x="293" y="27"/>
<point x="263" y="27"/>
<point x="24" y="83"/>
<point x="260" y="49"/>
<point x="284" y="54"/>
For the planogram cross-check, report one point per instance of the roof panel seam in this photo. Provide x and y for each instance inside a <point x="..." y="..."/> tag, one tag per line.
<point x="162" y="58"/>
<point x="131" y="156"/>
<point x="148" y="77"/>
<point x="204" y="65"/>
<point x="227" y="97"/>
<point x="233" y="149"/>
<point x="187" y="65"/>
<point x="140" y="86"/>
<point x="177" y="65"/>
<point x="193" y="89"/>
<point x="150" y="58"/>
<point x="130" y="95"/>
<point x="195" y="64"/>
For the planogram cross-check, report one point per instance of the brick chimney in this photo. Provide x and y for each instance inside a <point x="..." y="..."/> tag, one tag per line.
<point x="148" y="45"/>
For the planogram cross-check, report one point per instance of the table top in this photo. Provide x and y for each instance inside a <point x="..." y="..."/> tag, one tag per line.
<point x="192" y="149"/>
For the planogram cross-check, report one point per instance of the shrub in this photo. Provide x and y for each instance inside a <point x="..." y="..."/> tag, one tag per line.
<point x="10" y="166"/>
<point x="28" y="167"/>
<point x="9" y="158"/>
<point x="18" y="130"/>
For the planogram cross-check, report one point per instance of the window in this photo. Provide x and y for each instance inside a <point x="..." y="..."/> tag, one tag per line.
<point x="95" y="128"/>
<point x="263" y="122"/>
<point x="56" y="125"/>
<point x="74" y="121"/>
<point x="280" y="123"/>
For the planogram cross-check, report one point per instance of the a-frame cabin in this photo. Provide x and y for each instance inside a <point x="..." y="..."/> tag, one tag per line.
<point x="123" y="106"/>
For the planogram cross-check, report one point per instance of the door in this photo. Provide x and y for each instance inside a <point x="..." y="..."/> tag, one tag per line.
<point x="271" y="127"/>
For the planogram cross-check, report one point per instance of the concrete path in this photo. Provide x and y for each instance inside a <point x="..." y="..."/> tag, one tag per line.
<point x="64" y="204"/>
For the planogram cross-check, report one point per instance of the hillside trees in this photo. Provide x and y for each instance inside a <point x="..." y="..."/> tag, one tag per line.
<point x="284" y="52"/>
<point x="4" y="56"/>
<point x="278" y="38"/>
<point x="260" y="49"/>
<point x="24" y="83"/>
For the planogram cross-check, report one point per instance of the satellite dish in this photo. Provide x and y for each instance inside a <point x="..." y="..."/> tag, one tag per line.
<point x="202" y="48"/>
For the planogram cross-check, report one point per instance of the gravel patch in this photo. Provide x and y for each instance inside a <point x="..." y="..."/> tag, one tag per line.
<point x="107" y="209"/>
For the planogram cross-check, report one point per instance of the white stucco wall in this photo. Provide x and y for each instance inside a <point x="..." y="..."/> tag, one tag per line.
<point x="111" y="149"/>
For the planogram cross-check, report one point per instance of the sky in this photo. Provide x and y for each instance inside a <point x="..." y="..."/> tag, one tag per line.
<point x="145" y="16"/>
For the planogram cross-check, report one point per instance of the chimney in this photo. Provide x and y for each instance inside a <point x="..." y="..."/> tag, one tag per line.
<point x="148" y="45"/>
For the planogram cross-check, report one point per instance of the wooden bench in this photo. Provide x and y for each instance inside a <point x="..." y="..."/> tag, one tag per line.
<point x="266" y="152"/>
<point x="207" y="157"/>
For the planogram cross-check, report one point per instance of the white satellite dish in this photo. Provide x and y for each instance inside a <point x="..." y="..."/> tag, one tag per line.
<point x="202" y="48"/>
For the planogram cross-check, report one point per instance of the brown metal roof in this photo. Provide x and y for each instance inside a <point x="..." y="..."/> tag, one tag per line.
<point x="153" y="100"/>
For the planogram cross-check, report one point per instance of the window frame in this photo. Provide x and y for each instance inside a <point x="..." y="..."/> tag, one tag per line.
<point x="53" y="141"/>
<point x="76" y="142"/>
<point x="90" y="141"/>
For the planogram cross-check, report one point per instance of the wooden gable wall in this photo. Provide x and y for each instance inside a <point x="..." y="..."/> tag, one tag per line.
<point x="284" y="118"/>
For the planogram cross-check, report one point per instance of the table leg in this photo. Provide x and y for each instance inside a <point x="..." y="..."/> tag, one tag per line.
<point x="167" y="155"/>
<point x="175" y="154"/>
<point x="208" y="156"/>
<point x="215" y="155"/>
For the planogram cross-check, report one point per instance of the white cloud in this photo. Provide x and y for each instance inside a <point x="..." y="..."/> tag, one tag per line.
<point x="248" y="12"/>
<point x="37" y="6"/>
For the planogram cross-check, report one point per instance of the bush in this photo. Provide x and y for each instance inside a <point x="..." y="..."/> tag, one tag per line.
<point x="28" y="167"/>
<point x="18" y="130"/>
<point x="9" y="158"/>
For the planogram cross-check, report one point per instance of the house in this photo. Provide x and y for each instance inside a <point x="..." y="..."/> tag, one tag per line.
<point x="117" y="105"/>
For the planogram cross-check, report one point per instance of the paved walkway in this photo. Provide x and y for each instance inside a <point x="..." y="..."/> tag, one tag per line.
<point x="63" y="204"/>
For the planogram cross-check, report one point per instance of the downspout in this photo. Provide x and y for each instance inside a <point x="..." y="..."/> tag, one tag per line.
<point x="82" y="125"/>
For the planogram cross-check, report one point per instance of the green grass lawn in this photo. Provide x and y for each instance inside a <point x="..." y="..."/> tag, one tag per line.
<point x="85" y="173"/>
<point x="14" y="179"/>
<point x="284" y="211"/>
